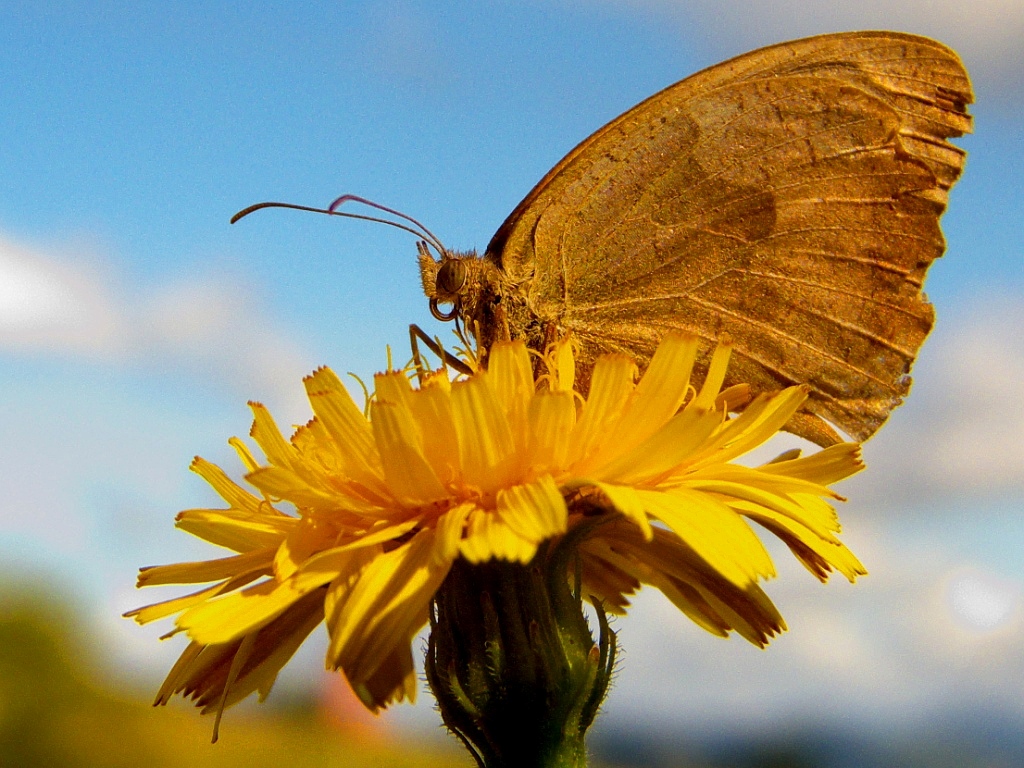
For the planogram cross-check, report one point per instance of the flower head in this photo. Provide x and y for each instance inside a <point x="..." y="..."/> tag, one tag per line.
<point x="488" y="468"/>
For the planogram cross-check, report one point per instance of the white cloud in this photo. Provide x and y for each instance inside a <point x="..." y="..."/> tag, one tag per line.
<point x="988" y="34"/>
<point x="110" y="388"/>
<point x="981" y="603"/>
<point x="54" y="305"/>
<point x="926" y="632"/>
<point x="960" y="432"/>
<point x="69" y="304"/>
<point x="976" y="434"/>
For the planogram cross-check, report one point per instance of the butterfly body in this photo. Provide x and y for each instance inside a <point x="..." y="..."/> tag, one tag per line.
<point x="788" y="198"/>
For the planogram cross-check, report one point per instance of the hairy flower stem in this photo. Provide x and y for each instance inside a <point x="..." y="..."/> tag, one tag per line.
<point x="516" y="673"/>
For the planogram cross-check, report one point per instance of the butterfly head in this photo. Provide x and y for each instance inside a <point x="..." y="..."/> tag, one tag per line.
<point x="472" y="289"/>
<point x="446" y="280"/>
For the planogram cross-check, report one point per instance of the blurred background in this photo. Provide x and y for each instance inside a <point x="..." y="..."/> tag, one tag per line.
<point x="135" y="323"/>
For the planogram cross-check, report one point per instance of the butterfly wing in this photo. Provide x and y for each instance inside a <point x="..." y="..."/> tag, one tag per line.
<point x="789" y="198"/>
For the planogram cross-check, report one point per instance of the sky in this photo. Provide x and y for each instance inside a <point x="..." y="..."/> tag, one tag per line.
<point x="135" y="322"/>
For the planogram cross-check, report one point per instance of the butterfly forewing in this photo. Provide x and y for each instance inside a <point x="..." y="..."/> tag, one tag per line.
<point x="788" y="198"/>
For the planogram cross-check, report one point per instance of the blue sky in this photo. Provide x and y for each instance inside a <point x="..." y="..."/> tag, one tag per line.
<point x="135" y="322"/>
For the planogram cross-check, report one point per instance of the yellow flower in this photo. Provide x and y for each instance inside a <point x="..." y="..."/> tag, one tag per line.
<point x="489" y="467"/>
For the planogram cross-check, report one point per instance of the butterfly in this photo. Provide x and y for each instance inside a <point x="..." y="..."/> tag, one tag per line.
<point x="788" y="199"/>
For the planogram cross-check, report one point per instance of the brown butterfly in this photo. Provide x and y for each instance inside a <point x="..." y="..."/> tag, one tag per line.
<point x="788" y="198"/>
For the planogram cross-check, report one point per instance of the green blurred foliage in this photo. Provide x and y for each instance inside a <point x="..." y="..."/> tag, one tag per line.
<point x="54" y="713"/>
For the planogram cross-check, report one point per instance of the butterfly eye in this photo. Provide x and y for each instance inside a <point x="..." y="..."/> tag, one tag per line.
<point x="451" y="277"/>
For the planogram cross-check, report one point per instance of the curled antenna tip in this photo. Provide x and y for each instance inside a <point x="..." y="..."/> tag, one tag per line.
<point x="242" y="214"/>
<point x="246" y="211"/>
<point x="259" y="206"/>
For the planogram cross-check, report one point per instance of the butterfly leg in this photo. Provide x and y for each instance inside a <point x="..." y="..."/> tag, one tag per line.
<point x="550" y="337"/>
<point x="417" y="334"/>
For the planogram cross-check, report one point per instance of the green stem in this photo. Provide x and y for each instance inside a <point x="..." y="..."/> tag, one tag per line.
<point x="516" y="673"/>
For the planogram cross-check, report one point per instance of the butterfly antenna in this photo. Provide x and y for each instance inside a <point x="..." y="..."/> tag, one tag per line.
<point x="419" y="233"/>
<point x="425" y="233"/>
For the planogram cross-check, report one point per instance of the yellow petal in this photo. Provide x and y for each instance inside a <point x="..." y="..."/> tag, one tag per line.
<point x="306" y="539"/>
<point x="268" y="437"/>
<point x="733" y="398"/>
<point x="551" y="417"/>
<point x="275" y="645"/>
<point x="431" y="407"/>
<point x="835" y="463"/>
<point x="657" y="397"/>
<point x="165" y="608"/>
<point x="409" y="476"/>
<point x="611" y="385"/>
<point x="488" y="537"/>
<point x="230" y="617"/>
<point x="713" y="531"/>
<point x="759" y="421"/>
<point x="266" y="652"/>
<point x="716" y="375"/>
<point x="382" y="533"/>
<point x="258" y="561"/>
<point x="235" y="529"/>
<point x="824" y="544"/>
<point x="392" y="387"/>
<point x="235" y="615"/>
<point x="392" y="682"/>
<point x="450" y="528"/>
<point x="662" y="451"/>
<point x="350" y="432"/>
<point x="693" y="586"/>
<point x="511" y="375"/>
<point x="382" y="608"/>
<point x="439" y="378"/>
<point x="280" y="483"/>
<point x="282" y="454"/>
<point x="745" y="610"/>
<point x="236" y="496"/>
<point x="244" y="454"/>
<point x="606" y="583"/>
<point x="641" y="564"/>
<point x="486" y="445"/>
<point x="627" y="501"/>
<point x="564" y="366"/>
<point x="763" y="477"/>
<point x="816" y="514"/>
<point x="536" y="511"/>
